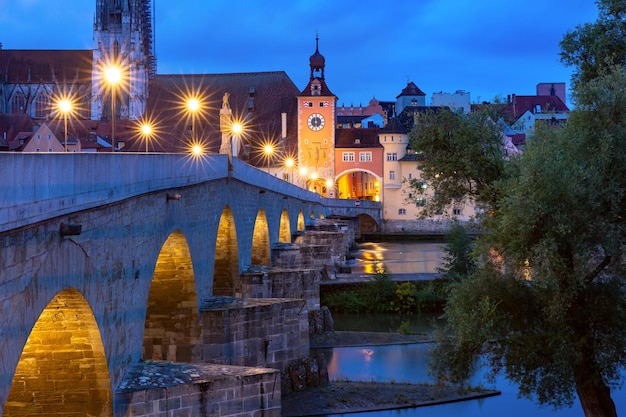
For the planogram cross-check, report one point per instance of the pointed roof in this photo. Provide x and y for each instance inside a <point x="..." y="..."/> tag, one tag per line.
<point x="411" y="90"/>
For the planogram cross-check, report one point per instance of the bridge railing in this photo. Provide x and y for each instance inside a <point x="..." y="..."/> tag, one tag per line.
<point x="38" y="186"/>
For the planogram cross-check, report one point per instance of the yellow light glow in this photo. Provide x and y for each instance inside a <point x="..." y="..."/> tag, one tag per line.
<point x="193" y="104"/>
<point x="197" y="150"/>
<point x="268" y="149"/>
<point x="65" y="106"/>
<point x="237" y="128"/>
<point x="303" y="171"/>
<point x="314" y="176"/>
<point x="113" y="74"/>
<point x="329" y="183"/>
<point x="146" y="129"/>
<point x="290" y="163"/>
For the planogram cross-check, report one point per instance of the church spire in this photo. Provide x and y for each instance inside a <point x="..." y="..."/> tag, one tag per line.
<point x="317" y="61"/>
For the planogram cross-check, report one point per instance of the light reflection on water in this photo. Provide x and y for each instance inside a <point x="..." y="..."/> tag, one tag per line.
<point x="399" y="257"/>
<point x="401" y="363"/>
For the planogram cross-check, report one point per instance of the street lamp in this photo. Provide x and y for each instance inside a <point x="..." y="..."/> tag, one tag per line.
<point x="268" y="150"/>
<point x="113" y="75"/>
<point x="193" y="105"/>
<point x="290" y="163"/>
<point x="146" y="131"/>
<point x="237" y="129"/>
<point x="65" y="106"/>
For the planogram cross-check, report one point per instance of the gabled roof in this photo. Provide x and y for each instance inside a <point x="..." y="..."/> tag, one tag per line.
<point x="411" y="90"/>
<point x="11" y="124"/>
<point x="545" y="104"/>
<point x="46" y="66"/>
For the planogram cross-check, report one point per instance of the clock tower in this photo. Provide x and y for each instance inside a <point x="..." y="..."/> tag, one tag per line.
<point x="316" y="129"/>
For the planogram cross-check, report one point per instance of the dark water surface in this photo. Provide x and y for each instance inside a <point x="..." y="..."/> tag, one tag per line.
<point x="408" y="363"/>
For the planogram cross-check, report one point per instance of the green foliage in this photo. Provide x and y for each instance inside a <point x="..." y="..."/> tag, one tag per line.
<point x="345" y="302"/>
<point x="458" y="261"/>
<point x="379" y="292"/>
<point x="547" y="303"/>
<point x="383" y="295"/>
<point x="463" y="156"/>
<point x="594" y="48"/>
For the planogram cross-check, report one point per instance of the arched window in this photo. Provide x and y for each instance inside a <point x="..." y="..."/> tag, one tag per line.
<point x="18" y="103"/>
<point x="42" y="106"/>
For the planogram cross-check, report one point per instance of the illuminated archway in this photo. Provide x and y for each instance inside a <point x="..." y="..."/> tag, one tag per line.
<point x="172" y="329"/>
<point x="63" y="368"/>
<point x="226" y="278"/>
<point x="261" y="240"/>
<point x="284" y="234"/>
<point x="359" y="184"/>
<point x="301" y="223"/>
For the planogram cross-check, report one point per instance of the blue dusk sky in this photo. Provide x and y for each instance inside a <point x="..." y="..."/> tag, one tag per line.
<point x="372" y="48"/>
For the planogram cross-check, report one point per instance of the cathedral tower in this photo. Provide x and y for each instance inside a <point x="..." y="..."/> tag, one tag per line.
<point x="123" y="38"/>
<point x="316" y="128"/>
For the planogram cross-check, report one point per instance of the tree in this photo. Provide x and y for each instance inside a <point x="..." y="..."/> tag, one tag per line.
<point x="462" y="157"/>
<point x="547" y="305"/>
<point x="458" y="262"/>
<point x="594" y="47"/>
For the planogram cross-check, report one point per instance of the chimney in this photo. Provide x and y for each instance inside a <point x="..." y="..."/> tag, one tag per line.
<point x="283" y="117"/>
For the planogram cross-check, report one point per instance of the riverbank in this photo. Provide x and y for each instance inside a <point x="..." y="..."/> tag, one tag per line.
<point x="342" y="397"/>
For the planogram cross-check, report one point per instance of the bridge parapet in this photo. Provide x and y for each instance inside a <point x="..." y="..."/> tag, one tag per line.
<point x="44" y="186"/>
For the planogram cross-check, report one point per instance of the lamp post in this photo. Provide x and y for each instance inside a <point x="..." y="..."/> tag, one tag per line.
<point x="113" y="76"/>
<point x="193" y="104"/>
<point x="146" y="130"/>
<point x="65" y="106"/>
<point x="268" y="150"/>
<point x="289" y="164"/>
<point x="236" y="130"/>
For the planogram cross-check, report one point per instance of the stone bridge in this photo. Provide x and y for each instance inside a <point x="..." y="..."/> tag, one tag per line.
<point x="115" y="265"/>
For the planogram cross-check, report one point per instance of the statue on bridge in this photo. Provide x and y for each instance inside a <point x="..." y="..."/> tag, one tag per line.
<point x="226" y="118"/>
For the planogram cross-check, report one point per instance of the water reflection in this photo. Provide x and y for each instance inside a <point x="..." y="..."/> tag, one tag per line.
<point x="408" y="363"/>
<point x="400" y="257"/>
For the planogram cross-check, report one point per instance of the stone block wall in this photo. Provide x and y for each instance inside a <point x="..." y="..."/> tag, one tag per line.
<point x="158" y="389"/>
<point x="255" y="332"/>
<point x="303" y="284"/>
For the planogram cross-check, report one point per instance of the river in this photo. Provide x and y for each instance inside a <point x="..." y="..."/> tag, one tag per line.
<point x="408" y="363"/>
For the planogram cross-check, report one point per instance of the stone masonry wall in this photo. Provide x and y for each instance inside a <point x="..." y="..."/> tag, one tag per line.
<point x="158" y="389"/>
<point x="303" y="284"/>
<point x="255" y="332"/>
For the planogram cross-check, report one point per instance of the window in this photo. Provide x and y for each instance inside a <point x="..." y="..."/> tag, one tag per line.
<point x="456" y="212"/>
<point x="18" y="104"/>
<point x="410" y="175"/>
<point x="392" y="175"/>
<point x="402" y="211"/>
<point x="285" y="176"/>
<point x="392" y="156"/>
<point x="41" y="105"/>
<point x="365" y="157"/>
<point x="420" y="202"/>
<point x="347" y="156"/>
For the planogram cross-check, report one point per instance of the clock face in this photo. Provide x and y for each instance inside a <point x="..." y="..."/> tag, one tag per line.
<point x="315" y="121"/>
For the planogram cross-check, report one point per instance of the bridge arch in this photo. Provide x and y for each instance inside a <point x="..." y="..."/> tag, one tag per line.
<point x="368" y="224"/>
<point x="63" y="368"/>
<point x="301" y="223"/>
<point x="171" y="329"/>
<point x="226" y="278"/>
<point x="261" y="240"/>
<point x="284" y="230"/>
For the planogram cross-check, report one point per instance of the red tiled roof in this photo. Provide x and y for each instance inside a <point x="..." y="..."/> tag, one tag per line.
<point x="545" y="104"/>
<point x="367" y="138"/>
<point x="48" y="66"/>
<point x="261" y="97"/>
